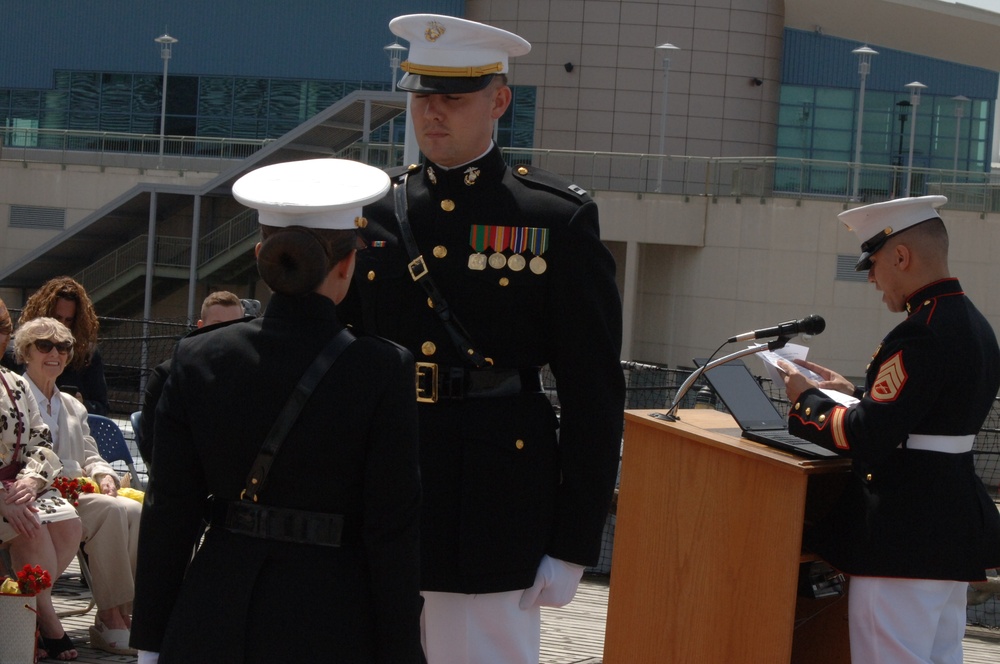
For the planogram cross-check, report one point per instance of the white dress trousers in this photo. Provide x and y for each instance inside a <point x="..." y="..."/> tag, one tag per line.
<point x="906" y="621"/>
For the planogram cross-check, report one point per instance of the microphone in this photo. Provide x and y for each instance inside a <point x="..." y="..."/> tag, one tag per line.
<point x="809" y="325"/>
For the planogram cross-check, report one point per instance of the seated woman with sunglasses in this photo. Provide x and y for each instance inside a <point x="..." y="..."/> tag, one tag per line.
<point x="36" y="524"/>
<point x="110" y="523"/>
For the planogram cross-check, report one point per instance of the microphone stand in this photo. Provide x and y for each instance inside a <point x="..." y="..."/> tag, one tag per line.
<point x="672" y="416"/>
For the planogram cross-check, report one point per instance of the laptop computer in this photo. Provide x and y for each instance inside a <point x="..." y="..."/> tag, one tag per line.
<point x="753" y="410"/>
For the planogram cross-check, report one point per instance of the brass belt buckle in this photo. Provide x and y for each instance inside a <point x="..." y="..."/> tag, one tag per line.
<point x="427" y="371"/>
<point x="417" y="268"/>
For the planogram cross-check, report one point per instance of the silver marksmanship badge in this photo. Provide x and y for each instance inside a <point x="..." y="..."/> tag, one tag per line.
<point x="537" y="265"/>
<point x="497" y="260"/>
<point x="516" y="262"/>
<point x="477" y="261"/>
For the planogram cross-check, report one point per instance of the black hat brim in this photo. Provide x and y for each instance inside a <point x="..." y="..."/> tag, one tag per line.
<point x="443" y="85"/>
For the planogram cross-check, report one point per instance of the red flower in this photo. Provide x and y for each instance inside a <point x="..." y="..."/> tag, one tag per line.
<point x="33" y="580"/>
<point x="72" y="488"/>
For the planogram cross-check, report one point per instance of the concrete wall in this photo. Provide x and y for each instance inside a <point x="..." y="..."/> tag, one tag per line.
<point x="760" y="264"/>
<point x="611" y="101"/>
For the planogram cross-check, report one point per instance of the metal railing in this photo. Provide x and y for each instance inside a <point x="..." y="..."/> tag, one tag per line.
<point x="124" y="150"/>
<point x="640" y="173"/>
<point x="760" y="177"/>
<point x="170" y="251"/>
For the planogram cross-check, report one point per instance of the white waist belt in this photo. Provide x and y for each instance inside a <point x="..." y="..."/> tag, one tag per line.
<point x="946" y="444"/>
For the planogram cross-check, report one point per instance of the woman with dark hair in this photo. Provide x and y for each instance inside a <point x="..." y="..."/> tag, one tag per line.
<point x="66" y="300"/>
<point x="314" y="553"/>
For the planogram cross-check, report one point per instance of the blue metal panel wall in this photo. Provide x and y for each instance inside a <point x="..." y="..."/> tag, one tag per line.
<point x="322" y="39"/>
<point x="822" y="61"/>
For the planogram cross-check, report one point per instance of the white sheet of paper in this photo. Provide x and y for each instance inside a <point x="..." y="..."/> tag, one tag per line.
<point x="792" y="352"/>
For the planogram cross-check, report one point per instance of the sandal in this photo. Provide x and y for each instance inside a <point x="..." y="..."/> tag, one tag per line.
<point x="56" y="647"/>
<point x="114" y="641"/>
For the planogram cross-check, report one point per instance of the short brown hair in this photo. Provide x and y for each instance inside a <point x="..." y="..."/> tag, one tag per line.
<point x="223" y="298"/>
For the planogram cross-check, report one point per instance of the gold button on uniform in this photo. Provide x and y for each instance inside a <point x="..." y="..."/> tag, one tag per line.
<point x="447" y="205"/>
<point x="797" y="405"/>
<point x="428" y="348"/>
<point x="440" y="251"/>
<point x="519" y="444"/>
<point x="371" y="275"/>
<point x="868" y="477"/>
<point x="430" y="303"/>
<point x="809" y="412"/>
<point x="822" y="418"/>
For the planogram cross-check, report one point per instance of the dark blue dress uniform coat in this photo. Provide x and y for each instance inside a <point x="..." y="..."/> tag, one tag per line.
<point x="912" y="513"/>
<point x="352" y="451"/>
<point x="501" y="488"/>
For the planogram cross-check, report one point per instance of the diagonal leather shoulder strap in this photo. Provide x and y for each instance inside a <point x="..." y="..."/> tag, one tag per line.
<point x="290" y="413"/>
<point x="420" y="274"/>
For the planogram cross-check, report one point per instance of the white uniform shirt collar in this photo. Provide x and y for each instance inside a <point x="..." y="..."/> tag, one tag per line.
<point x="451" y="168"/>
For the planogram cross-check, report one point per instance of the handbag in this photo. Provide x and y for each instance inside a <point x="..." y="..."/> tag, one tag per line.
<point x="9" y="472"/>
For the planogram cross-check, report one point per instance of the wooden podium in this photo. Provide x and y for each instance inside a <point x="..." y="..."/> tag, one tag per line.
<point x="708" y="547"/>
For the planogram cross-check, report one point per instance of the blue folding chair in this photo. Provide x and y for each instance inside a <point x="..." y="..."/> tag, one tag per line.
<point x="135" y="419"/>
<point x="111" y="444"/>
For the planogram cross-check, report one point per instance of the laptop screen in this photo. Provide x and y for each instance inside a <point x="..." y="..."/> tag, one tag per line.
<point x="743" y="396"/>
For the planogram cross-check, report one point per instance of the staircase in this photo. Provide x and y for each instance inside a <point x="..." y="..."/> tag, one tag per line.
<point x="115" y="280"/>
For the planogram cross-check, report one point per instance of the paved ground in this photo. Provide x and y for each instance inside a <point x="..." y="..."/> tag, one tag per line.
<point x="571" y="635"/>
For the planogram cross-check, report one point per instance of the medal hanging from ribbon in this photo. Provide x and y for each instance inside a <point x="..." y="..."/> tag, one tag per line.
<point x="500" y="240"/>
<point x="477" y="239"/>
<point x="518" y="241"/>
<point x="538" y="243"/>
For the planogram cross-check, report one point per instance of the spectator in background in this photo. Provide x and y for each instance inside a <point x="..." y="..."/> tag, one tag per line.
<point x="110" y="523"/>
<point x="36" y="523"/>
<point x="217" y="307"/>
<point x="66" y="300"/>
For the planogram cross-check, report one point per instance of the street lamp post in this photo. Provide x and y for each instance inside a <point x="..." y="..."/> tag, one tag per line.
<point x="904" y="112"/>
<point x="864" y="66"/>
<point x="166" y="43"/>
<point x="960" y="101"/>
<point x="665" y="48"/>
<point x="395" y="53"/>
<point x="915" y="88"/>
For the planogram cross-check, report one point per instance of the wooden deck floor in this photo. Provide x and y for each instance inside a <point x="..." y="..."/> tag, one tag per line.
<point x="571" y="635"/>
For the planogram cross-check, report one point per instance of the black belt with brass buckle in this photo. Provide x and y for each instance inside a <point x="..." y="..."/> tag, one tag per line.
<point x="277" y="523"/>
<point x="443" y="383"/>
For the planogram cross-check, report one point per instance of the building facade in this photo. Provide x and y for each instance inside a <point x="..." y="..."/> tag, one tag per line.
<point x="749" y="79"/>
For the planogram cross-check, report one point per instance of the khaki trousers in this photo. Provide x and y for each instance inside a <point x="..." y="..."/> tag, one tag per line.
<point x="110" y="539"/>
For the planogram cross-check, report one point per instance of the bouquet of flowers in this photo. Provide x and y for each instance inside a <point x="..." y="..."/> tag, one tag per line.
<point x="72" y="488"/>
<point x="30" y="581"/>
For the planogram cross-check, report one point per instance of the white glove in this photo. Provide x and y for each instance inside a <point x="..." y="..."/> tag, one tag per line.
<point x="148" y="657"/>
<point x="555" y="584"/>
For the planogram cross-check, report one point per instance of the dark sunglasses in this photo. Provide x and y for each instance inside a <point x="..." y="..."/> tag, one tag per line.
<point x="46" y="346"/>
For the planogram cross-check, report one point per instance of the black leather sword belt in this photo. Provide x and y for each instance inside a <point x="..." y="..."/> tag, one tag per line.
<point x="437" y="382"/>
<point x="277" y="523"/>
